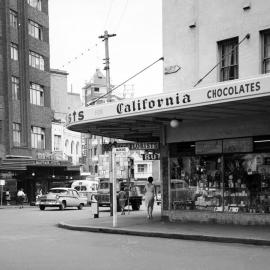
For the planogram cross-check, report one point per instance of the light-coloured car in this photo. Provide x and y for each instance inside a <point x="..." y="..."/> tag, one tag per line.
<point x="62" y="198"/>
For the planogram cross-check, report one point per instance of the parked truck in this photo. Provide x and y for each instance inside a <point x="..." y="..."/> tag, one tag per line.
<point x="133" y="198"/>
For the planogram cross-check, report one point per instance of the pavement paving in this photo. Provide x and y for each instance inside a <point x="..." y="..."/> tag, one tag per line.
<point x="136" y="223"/>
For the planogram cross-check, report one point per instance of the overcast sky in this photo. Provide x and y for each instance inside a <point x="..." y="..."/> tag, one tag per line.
<point x="74" y="29"/>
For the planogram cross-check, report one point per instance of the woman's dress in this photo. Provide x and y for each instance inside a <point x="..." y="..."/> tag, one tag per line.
<point x="149" y="195"/>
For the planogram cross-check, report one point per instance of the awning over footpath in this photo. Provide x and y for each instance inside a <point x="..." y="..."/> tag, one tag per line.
<point x="141" y="119"/>
<point x="21" y="164"/>
<point x="16" y="164"/>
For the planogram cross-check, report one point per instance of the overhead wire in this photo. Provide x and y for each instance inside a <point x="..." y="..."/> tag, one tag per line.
<point x="121" y="17"/>
<point x="139" y="72"/>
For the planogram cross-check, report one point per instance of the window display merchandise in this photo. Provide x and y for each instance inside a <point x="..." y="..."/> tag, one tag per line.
<point x="237" y="182"/>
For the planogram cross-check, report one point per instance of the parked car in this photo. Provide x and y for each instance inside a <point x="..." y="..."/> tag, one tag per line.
<point x="62" y="198"/>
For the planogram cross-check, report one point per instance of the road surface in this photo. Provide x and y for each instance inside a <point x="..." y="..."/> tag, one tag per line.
<point x="30" y="240"/>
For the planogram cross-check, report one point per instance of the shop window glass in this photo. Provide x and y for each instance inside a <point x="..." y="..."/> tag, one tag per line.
<point x="197" y="183"/>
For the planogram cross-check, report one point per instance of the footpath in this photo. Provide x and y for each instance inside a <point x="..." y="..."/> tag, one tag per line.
<point x="136" y="223"/>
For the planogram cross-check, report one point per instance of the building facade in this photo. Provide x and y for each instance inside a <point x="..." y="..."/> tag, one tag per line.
<point x="25" y="114"/>
<point x="218" y="161"/>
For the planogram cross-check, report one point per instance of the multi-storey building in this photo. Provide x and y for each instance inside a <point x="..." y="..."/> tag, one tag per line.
<point x="25" y="115"/>
<point x="65" y="143"/>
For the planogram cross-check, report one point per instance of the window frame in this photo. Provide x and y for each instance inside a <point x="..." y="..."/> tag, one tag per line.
<point x="225" y="50"/>
<point x="37" y="4"/>
<point x="36" y="61"/>
<point x="57" y="142"/>
<point x="265" y="58"/>
<point x="14" y="51"/>
<point x="36" y="94"/>
<point x="13" y="18"/>
<point x="142" y="168"/>
<point x="35" y="30"/>
<point x="15" y="87"/>
<point x="37" y="137"/>
<point x="16" y="134"/>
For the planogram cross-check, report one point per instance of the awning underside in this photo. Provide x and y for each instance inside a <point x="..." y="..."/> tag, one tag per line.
<point x="147" y="127"/>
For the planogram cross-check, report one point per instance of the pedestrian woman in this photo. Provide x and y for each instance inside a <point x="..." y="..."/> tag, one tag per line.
<point x="149" y="197"/>
<point x="122" y="200"/>
<point x="21" y="196"/>
<point x="8" y="197"/>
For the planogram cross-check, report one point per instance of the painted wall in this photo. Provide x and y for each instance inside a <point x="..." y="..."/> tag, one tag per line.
<point x="195" y="49"/>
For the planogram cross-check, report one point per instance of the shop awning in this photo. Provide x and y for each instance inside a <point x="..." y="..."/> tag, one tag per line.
<point x="16" y="164"/>
<point x="142" y="119"/>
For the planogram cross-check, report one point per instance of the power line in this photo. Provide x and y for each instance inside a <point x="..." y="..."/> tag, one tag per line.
<point x="121" y="16"/>
<point x="80" y="55"/>
<point x="93" y="102"/>
<point x="247" y="36"/>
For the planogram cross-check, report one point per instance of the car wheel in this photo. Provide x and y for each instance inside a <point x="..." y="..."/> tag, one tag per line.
<point x="42" y="207"/>
<point x="62" y="206"/>
<point x="80" y="207"/>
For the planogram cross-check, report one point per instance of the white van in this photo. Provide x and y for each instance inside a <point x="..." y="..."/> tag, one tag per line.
<point x="86" y="188"/>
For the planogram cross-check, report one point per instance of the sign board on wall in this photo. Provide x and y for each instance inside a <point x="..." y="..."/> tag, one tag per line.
<point x="208" y="147"/>
<point x="2" y="182"/>
<point x="238" y="145"/>
<point x="150" y="156"/>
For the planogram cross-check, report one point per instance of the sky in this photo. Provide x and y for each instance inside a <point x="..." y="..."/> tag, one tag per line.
<point x="75" y="26"/>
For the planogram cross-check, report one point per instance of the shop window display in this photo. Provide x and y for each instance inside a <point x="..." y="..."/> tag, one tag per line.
<point x="229" y="183"/>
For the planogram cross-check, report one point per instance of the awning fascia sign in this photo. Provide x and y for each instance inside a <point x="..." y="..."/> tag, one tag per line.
<point x="223" y="92"/>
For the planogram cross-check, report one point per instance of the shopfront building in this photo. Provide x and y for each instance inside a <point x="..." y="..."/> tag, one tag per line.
<point x="36" y="175"/>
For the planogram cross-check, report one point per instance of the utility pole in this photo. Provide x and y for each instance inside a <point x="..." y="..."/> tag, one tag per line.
<point x="105" y="38"/>
<point x="113" y="201"/>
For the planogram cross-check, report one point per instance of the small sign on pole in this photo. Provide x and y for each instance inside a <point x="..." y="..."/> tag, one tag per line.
<point x="2" y="183"/>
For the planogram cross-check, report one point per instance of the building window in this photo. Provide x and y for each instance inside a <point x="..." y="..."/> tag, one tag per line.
<point x="142" y="168"/>
<point x="36" y="94"/>
<point x="15" y="86"/>
<point x="77" y="148"/>
<point x="66" y="145"/>
<point x="266" y="51"/>
<point x="228" y="55"/>
<point x="72" y="148"/>
<point x="35" y="4"/>
<point x="95" y="151"/>
<point x="14" y="52"/>
<point x="36" y="60"/>
<point x="38" y="137"/>
<point x="57" y="143"/>
<point x="35" y="30"/>
<point x="16" y="133"/>
<point x="13" y="18"/>
<point x="96" y="89"/>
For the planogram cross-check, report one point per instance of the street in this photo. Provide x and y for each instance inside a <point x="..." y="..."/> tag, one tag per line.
<point x="30" y="239"/>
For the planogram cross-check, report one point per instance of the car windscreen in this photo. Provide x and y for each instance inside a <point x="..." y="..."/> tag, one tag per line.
<point x="104" y="185"/>
<point x="58" y="191"/>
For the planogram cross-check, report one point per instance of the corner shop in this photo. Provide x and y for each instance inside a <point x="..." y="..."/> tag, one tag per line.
<point x="221" y="145"/>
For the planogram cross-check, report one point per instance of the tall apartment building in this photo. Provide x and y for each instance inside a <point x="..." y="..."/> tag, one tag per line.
<point x="25" y="114"/>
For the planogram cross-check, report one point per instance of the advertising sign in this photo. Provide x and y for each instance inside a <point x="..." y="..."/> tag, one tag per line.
<point x="2" y="182"/>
